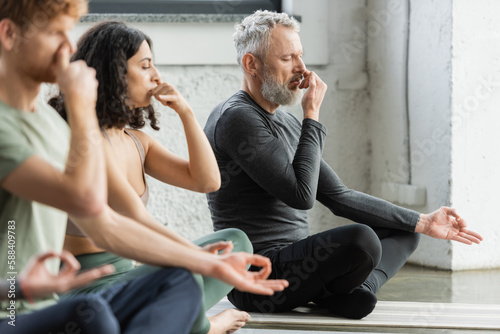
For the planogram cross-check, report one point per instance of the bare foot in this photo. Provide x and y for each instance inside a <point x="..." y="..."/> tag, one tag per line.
<point x="228" y="321"/>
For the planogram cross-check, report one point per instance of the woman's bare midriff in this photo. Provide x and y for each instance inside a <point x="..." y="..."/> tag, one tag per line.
<point x="80" y="245"/>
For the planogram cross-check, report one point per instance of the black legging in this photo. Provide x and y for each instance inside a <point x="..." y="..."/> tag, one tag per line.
<point x="331" y="263"/>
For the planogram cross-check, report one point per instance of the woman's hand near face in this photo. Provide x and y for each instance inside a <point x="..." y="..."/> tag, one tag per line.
<point x="200" y="173"/>
<point x="170" y="97"/>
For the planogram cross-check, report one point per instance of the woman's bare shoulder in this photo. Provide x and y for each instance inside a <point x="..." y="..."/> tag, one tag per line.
<point x="145" y="139"/>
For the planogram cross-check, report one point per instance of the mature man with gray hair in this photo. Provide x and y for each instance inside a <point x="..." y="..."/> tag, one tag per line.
<point x="272" y="173"/>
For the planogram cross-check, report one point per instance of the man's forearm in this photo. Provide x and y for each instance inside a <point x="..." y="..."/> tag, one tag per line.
<point x="85" y="166"/>
<point x="360" y="207"/>
<point x="85" y="171"/>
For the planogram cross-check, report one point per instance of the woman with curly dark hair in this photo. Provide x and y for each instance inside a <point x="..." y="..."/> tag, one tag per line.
<point x="128" y="80"/>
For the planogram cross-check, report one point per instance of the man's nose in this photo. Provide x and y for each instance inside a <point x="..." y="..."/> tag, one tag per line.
<point x="300" y="67"/>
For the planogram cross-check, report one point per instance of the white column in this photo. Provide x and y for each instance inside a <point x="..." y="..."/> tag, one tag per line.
<point x="453" y="94"/>
<point x="430" y="90"/>
<point x="410" y="90"/>
<point x="475" y="155"/>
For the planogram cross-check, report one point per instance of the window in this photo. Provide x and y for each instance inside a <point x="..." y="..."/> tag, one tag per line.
<point x="182" y="6"/>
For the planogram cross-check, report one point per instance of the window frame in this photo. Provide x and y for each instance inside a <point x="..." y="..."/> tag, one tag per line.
<point x="182" y="7"/>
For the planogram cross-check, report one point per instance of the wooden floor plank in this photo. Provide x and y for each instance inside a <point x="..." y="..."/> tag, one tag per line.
<point x="386" y="314"/>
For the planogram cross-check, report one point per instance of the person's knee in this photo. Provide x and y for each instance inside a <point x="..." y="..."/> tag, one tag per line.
<point x="190" y="291"/>
<point x="364" y="239"/>
<point x="239" y="239"/>
<point x="94" y="315"/>
<point x="413" y="241"/>
<point x="356" y="240"/>
<point x="185" y="281"/>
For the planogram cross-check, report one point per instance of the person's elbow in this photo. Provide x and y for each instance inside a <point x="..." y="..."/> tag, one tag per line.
<point x="100" y="229"/>
<point x="211" y="186"/>
<point x="87" y="204"/>
<point x="303" y="200"/>
<point x="101" y="240"/>
<point x="308" y="205"/>
<point x="302" y="204"/>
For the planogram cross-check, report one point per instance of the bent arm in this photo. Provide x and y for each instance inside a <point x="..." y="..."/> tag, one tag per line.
<point x="200" y="173"/>
<point x="250" y="141"/>
<point x="443" y="223"/>
<point x="360" y="207"/>
<point x="81" y="188"/>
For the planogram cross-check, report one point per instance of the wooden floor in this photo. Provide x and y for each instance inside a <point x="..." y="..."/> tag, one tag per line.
<point x="416" y="300"/>
<point x="386" y="315"/>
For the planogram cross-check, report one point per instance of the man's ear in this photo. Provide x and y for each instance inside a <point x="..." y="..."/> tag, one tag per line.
<point x="251" y="64"/>
<point x="9" y="33"/>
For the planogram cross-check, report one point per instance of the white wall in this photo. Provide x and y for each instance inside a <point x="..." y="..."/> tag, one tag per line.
<point x="394" y="99"/>
<point x="430" y="112"/>
<point x="475" y="117"/>
<point x="386" y="63"/>
<point x="452" y="93"/>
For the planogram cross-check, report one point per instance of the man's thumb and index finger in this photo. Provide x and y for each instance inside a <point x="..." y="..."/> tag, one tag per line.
<point x="62" y="58"/>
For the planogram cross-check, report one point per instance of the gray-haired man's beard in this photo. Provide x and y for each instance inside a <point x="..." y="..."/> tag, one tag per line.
<point x="278" y="93"/>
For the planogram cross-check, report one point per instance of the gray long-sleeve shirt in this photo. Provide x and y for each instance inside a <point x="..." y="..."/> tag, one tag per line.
<point x="272" y="173"/>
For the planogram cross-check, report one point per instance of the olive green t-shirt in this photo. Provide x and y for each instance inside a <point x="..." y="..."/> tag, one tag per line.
<point x="34" y="227"/>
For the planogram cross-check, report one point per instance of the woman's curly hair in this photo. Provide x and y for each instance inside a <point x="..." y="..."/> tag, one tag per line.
<point x="106" y="47"/>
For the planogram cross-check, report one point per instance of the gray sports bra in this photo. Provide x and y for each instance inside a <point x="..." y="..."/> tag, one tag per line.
<point x="72" y="229"/>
